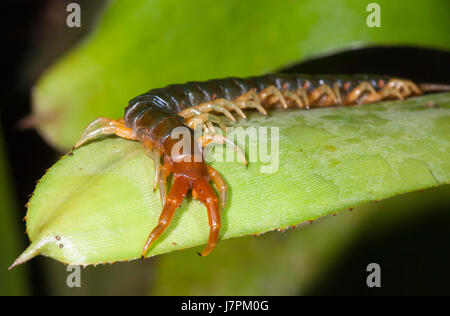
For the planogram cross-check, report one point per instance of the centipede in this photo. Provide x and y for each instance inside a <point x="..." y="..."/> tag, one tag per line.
<point x="152" y="117"/>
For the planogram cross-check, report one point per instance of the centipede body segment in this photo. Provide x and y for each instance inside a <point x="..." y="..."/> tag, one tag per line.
<point x="152" y="117"/>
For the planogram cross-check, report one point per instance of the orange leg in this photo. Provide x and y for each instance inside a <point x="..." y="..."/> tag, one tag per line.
<point x="358" y="92"/>
<point x="317" y="94"/>
<point x="301" y="92"/>
<point x="220" y="139"/>
<point x="164" y="172"/>
<point x="414" y="89"/>
<point x="387" y="92"/>
<point x="204" y="119"/>
<point x="220" y="185"/>
<point x="274" y="94"/>
<point x="208" y="197"/>
<point x="157" y="159"/>
<point x="395" y="88"/>
<point x="105" y="126"/>
<point x="251" y="104"/>
<point x="174" y="200"/>
<point x="154" y="153"/>
<point x="337" y="92"/>
<point x="230" y="105"/>
<point x="218" y="105"/>
<point x="294" y="97"/>
<point x="250" y="99"/>
<point x="404" y="87"/>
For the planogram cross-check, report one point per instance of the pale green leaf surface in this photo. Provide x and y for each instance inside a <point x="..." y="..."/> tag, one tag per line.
<point x="99" y="202"/>
<point x="144" y="44"/>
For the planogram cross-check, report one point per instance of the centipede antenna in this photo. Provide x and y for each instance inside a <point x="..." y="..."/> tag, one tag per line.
<point x="430" y="87"/>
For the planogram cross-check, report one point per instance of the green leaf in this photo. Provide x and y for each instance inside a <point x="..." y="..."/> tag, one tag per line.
<point x="98" y="205"/>
<point x="144" y="44"/>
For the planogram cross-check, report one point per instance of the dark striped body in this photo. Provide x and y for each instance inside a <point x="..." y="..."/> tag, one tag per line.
<point x="175" y="98"/>
<point x="158" y="108"/>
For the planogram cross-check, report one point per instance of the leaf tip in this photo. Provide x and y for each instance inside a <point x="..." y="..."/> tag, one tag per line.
<point x="29" y="253"/>
<point x="18" y="261"/>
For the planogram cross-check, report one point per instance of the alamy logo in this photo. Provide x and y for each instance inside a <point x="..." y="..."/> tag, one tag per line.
<point x="374" y="278"/>
<point x="263" y="146"/>
<point x="374" y="18"/>
<point x="74" y="278"/>
<point x="74" y="18"/>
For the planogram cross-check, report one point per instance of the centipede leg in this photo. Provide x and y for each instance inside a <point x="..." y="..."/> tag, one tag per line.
<point x="250" y="99"/>
<point x="165" y="171"/>
<point x="205" y="108"/>
<point x="229" y="105"/>
<point x="207" y="196"/>
<point x="390" y="92"/>
<point x="174" y="200"/>
<point x="220" y="139"/>
<point x="105" y="126"/>
<point x="301" y="92"/>
<point x="272" y="91"/>
<point x="356" y="94"/>
<point x="194" y="194"/>
<point x="157" y="159"/>
<point x="404" y="87"/>
<point x="209" y="128"/>
<point x="204" y="118"/>
<point x="220" y="184"/>
<point x="337" y="92"/>
<point x="413" y="87"/>
<point x="251" y="104"/>
<point x="291" y="95"/>
<point x="155" y="154"/>
<point x="319" y="92"/>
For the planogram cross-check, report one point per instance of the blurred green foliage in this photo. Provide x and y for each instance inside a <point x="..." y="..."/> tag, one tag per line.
<point x="11" y="282"/>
